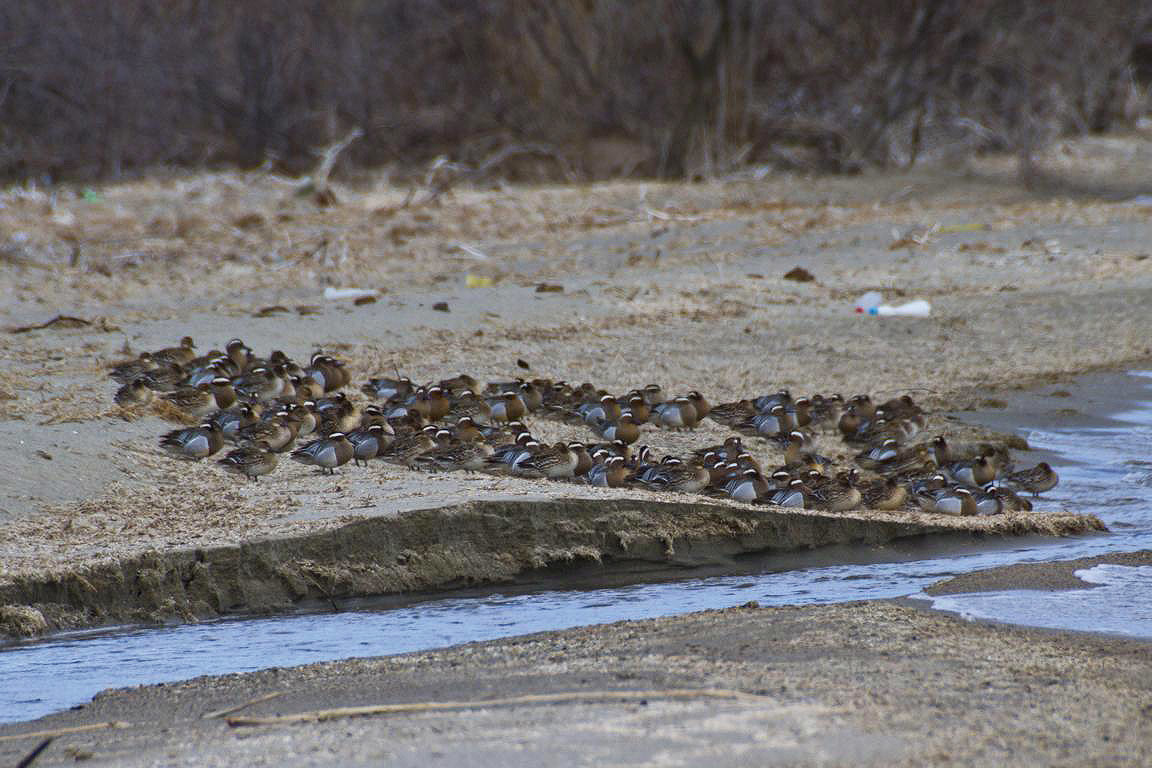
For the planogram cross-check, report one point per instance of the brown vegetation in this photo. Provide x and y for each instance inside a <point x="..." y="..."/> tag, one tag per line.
<point x="594" y="89"/>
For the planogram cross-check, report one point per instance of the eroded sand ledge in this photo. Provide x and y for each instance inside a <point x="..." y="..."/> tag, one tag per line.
<point x="478" y="542"/>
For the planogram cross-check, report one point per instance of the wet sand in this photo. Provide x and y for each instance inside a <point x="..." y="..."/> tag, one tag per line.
<point x="878" y="683"/>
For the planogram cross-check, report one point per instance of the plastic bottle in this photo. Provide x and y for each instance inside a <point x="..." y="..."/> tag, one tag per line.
<point x="917" y="308"/>
<point x="871" y="303"/>
<point x="868" y="302"/>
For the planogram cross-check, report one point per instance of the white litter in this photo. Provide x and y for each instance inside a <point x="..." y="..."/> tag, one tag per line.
<point x="338" y="294"/>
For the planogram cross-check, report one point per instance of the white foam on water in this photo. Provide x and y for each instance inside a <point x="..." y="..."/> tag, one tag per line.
<point x="1121" y="604"/>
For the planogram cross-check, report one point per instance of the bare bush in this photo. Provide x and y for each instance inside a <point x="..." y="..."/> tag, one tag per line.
<point x="98" y="88"/>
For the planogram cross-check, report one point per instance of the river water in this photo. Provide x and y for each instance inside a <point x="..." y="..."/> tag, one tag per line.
<point x="1104" y="470"/>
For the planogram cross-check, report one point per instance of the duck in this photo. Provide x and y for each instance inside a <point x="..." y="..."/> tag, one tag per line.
<point x="165" y="378"/>
<point x="507" y="407"/>
<point x="874" y="458"/>
<point x="259" y="383"/>
<point x="125" y="371"/>
<point x="328" y="372"/>
<point x="801" y="411"/>
<point x="342" y="417"/>
<point x="279" y="432"/>
<point x="611" y="473"/>
<point x="238" y="353"/>
<point x="583" y="458"/>
<point x="889" y="458"/>
<point x="1010" y="501"/>
<point x="796" y="456"/>
<point x="774" y="422"/>
<point x="250" y="461"/>
<point x="766" y="403"/>
<point x="794" y="496"/>
<point x="605" y="408"/>
<point x="731" y="448"/>
<point x="193" y="402"/>
<point x="825" y="410"/>
<point x="135" y="392"/>
<point x="231" y="420"/>
<point x="677" y="477"/>
<point x="367" y="441"/>
<point x="406" y="448"/>
<point x="942" y="452"/>
<point x="636" y="408"/>
<point x="179" y="355"/>
<point x="948" y="501"/>
<point x="389" y="390"/>
<point x="849" y="423"/>
<point x="653" y="395"/>
<point x="700" y="403"/>
<point x="459" y="383"/>
<point x="327" y="453"/>
<point x="747" y="486"/>
<point x="472" y="457"/>
<point x="978" y="472"/>
<point x="506" y="458"/>
<point x="625" y="429"/>
<point x="552" y="462"/>
<point x="304" y="415"/>
<point x="193" y="442"/>
<point x="466" y="431"/>
<point x="1037" y="480"/>
<point x="677" y="414"/>
<point x="468" y="404"/>
<point x="988" y="502"/>
<point x="733" y="413"/>
<point x="840" y="495"/>
<point x="887" y="495"/>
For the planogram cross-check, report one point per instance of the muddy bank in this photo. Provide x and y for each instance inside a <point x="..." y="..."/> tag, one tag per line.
<point x="877" y="683"/>
<point x="1057" y="575"/>
<point x="479" y="542"/>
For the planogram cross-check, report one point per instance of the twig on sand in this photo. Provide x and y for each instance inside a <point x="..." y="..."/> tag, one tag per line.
<point x="35" y="753"/>
<point x="65" y="731"/>
<point x="228" y="711"/>
<point x="321" y="715"/>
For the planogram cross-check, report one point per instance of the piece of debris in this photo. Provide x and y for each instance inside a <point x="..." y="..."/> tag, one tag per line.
<point x="275" y="309"/>
<point x="549" y="288"/>
<point x="522" y="363"/>
<point x="799" y="274"/>
<point x="441" y="306"/>
<point x="472" y="251"/>
<point x="60" y="321"/>
<point x="337" y="294"/>
<point x="308" y="309"/>
<point x="362" y="300"/>
<point x="44" y="454"/>
<point x="248" y="221"/>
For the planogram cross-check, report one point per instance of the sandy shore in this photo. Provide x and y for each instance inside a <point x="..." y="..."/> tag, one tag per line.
<point x="880" y="683"/>
<point x="680" y="284"/>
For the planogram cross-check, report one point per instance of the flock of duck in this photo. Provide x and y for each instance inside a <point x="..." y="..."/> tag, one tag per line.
<point x="266" y="407"/>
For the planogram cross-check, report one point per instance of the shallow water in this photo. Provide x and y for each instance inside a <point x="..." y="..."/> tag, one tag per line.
<point x="1120" y="605"/>
<point x="1101" y="469"/>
